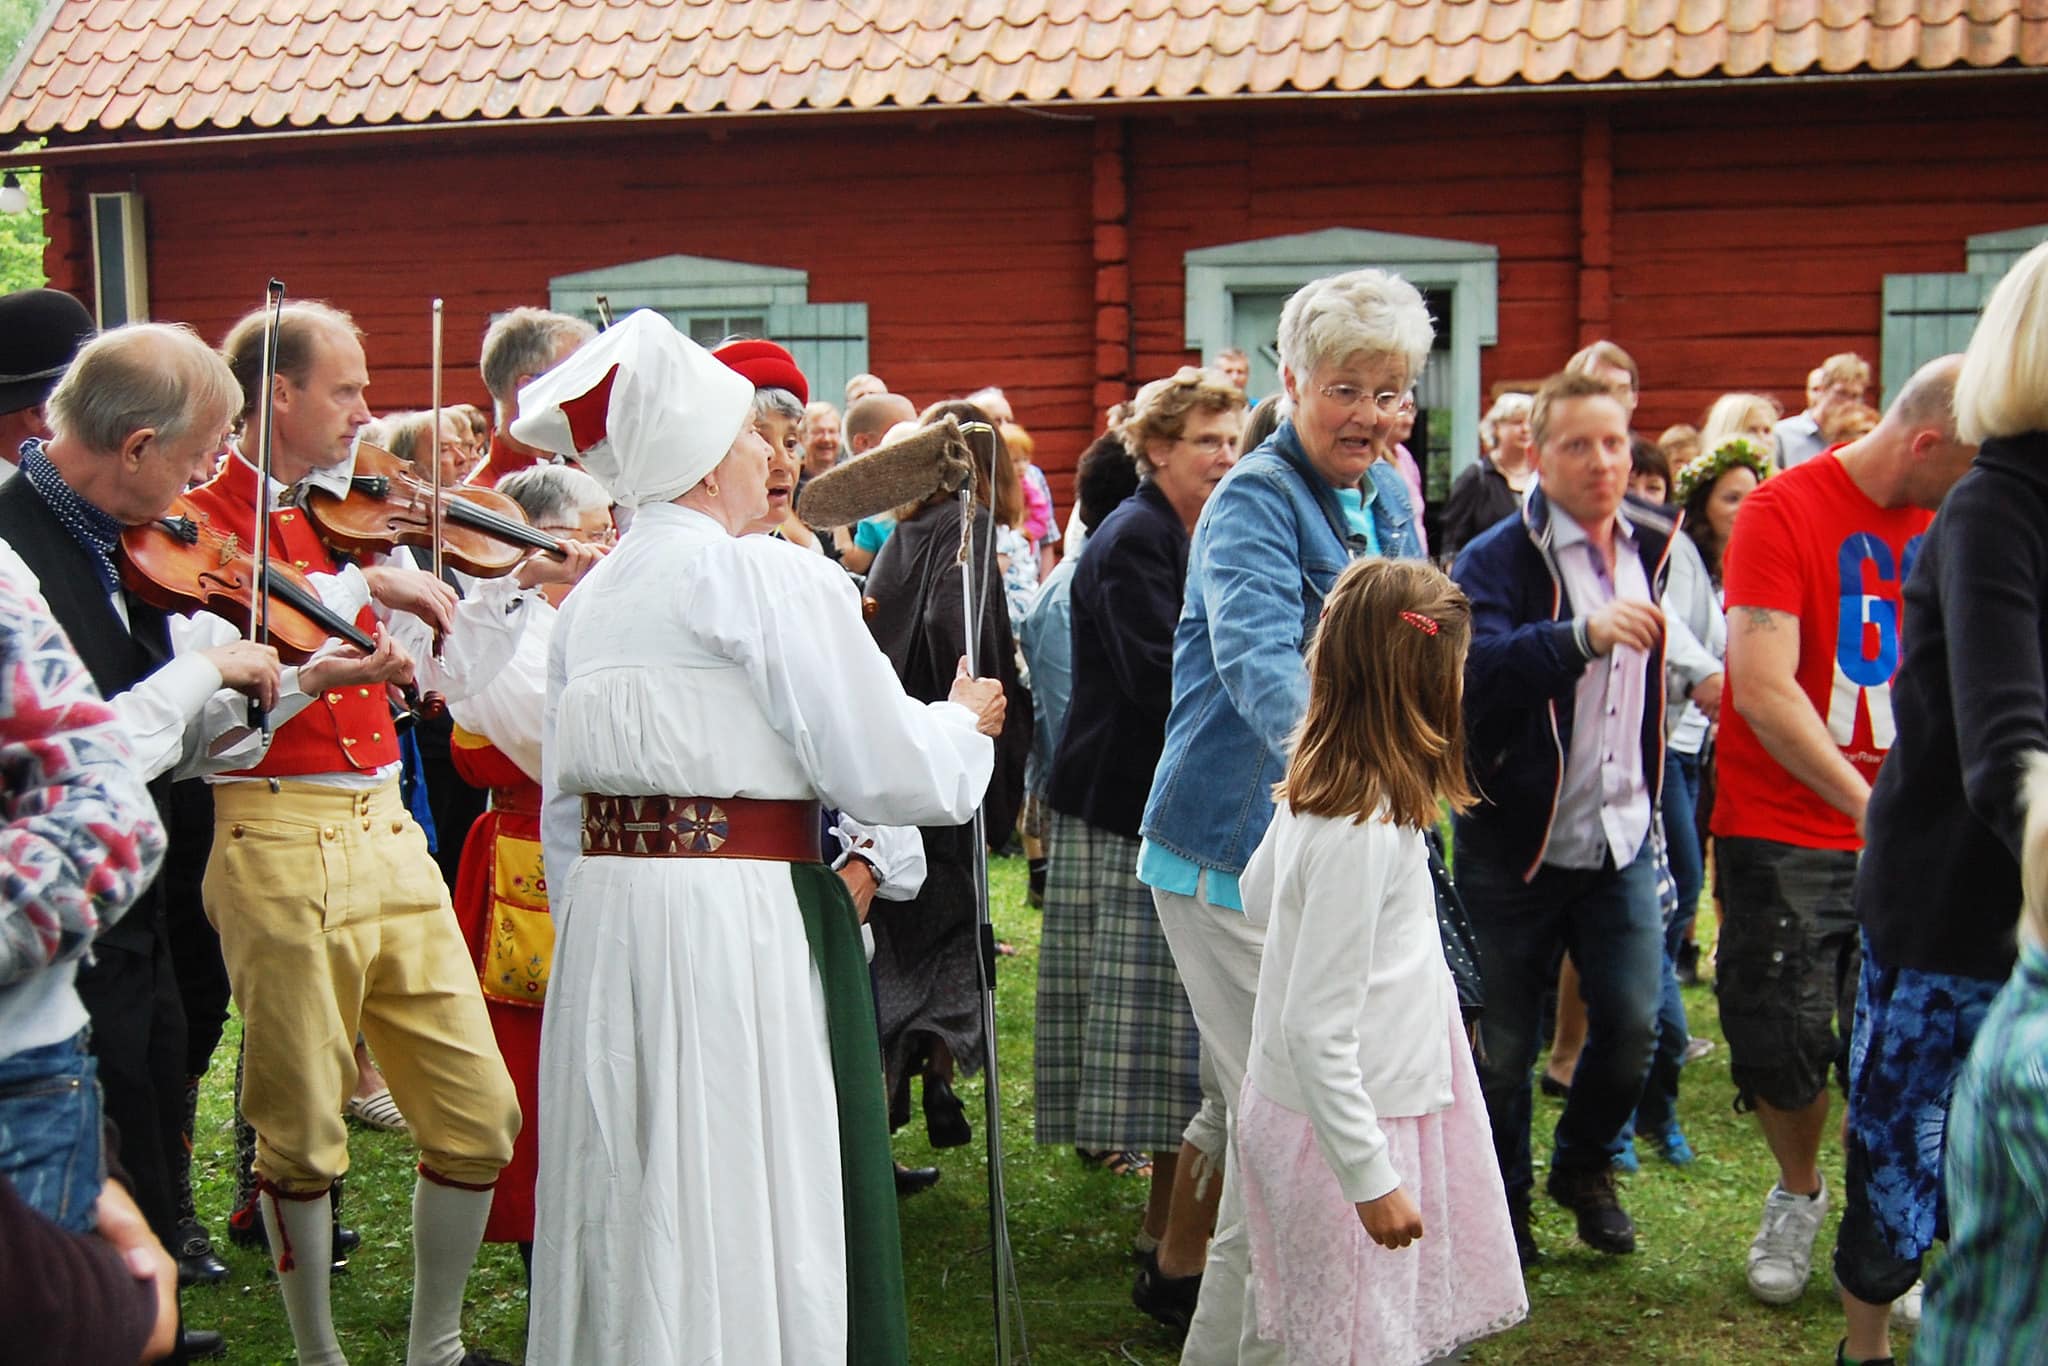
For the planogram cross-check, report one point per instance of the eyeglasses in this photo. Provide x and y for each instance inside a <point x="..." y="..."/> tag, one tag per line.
<point x="1350" y="396"/>
<point x="608" y="536"/>
<point x="1211" y="444"/>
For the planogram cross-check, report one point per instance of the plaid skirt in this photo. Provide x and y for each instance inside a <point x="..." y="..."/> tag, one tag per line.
<point x="1118" y="1064"/>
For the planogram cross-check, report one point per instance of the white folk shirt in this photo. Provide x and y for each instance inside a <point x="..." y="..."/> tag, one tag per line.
<point x="1603" y="804"/>
<point x="718" y="666"/>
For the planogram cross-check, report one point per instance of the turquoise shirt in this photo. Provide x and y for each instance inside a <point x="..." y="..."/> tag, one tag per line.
<point x="872" y="532"/>
<point x="1169" y="872"/>
<point x="1357" y="505"/>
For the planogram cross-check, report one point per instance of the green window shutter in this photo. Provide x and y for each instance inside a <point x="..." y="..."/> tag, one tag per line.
<point x="708" y="299"/>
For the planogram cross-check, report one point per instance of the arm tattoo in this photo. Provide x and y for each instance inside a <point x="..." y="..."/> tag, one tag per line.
<point x="1763" y="618"/>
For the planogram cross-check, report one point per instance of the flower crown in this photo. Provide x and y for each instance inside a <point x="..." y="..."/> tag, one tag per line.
<point x="1702" y="470"/>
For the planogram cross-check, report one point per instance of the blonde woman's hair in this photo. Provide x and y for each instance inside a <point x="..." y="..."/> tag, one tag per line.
<point x="1731" y="415"/>
<point x="1384" y="734"/>
<point x="2003" y="388"/>
<point x="1160" y="411"/>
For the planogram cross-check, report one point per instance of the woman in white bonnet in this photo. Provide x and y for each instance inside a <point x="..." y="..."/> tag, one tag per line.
<point x="698" y="1199"/>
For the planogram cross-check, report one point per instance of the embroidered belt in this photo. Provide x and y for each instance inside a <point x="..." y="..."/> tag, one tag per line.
<point x="703" y="827"/>
<point x="516" y="801"/>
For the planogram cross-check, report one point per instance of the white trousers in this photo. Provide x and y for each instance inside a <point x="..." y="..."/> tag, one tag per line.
<point x="1217" y="951"/>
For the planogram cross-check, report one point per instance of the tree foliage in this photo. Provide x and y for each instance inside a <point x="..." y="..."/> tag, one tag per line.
<point x="21" y="234"/>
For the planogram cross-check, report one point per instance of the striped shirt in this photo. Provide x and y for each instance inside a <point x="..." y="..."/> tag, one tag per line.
<point x="1987" y="1301"/>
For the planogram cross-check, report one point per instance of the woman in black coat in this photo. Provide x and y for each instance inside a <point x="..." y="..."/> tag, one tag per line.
<point x="927" y="987"/>
<point x="1118" y="1058"/>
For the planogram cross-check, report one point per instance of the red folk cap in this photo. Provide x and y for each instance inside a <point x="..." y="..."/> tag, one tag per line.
<point x="766" y="366"/>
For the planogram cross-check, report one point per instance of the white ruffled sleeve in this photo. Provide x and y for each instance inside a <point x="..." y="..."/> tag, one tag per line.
<point x="792" y="621"/>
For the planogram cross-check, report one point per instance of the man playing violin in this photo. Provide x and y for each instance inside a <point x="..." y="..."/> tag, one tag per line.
<point x="139" y="410"/>
<point x="332" y="914"/>
<point x="518" y="349"/>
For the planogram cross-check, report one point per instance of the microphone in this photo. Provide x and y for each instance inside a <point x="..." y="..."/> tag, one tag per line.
<point x="931" y="459"/>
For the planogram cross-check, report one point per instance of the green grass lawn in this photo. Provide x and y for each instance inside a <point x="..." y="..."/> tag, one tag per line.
<point x="1680" y="1298"/>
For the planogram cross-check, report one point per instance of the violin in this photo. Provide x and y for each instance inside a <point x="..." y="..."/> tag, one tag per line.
<point x="482" y="532"/>
<point x="183" y="563"/>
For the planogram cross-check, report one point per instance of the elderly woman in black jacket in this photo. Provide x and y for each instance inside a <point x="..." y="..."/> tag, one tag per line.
<point x="1118" y="1069"/>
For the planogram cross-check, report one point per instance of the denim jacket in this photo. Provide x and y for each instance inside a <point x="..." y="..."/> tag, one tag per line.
<point x="1269" y="545"/>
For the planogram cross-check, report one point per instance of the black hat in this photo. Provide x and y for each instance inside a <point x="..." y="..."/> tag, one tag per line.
<point x="40" y="331"/>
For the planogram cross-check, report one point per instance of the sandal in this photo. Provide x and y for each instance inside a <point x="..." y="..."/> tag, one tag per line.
<point x="1124" y="1163"/>
<point x="378" y="1111"/>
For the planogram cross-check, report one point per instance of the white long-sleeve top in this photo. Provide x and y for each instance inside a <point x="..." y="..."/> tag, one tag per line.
<point x="508" y="712"/>
<point x="694" y="663"/>
<point x="1352" y="1020"/>
<point x="180" y="719"/>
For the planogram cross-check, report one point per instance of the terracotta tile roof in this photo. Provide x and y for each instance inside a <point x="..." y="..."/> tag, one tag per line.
<point x="242" y="64"/>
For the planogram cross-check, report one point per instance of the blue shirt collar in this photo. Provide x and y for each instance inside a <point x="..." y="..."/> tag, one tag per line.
<point x="92" y="528"/>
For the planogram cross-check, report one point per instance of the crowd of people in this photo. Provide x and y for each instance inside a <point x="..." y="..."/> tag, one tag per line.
<point x="639" y="882"/>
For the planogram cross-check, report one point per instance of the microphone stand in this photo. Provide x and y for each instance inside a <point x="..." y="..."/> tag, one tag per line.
<point x="1009" y="1301"/>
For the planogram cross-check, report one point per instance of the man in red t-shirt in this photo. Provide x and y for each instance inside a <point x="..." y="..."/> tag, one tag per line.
<point x="1813" y="575"/>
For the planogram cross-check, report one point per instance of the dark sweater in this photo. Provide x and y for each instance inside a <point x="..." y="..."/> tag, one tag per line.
<point x="1479" y="499"/>
<point x="66" y="1299"/>
<point x="1939" y="886"/>
<point x="1126" y="599"/>
<point x="117" y="656"/>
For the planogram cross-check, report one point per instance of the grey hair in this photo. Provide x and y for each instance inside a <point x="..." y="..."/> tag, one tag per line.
<point x="777" y="402"/>
<point x="160" y="376"/>
<point x="554" y="493"/>
<point x="524" y="342"/>
<point x="1371" y="311"/>
<point x="1505" y="409"/>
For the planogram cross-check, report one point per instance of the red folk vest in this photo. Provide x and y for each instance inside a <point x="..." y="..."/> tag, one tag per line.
<point x="345" y="729"/>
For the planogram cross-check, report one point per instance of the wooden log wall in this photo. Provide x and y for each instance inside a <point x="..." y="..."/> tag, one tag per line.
<point x="1730" y="239"/>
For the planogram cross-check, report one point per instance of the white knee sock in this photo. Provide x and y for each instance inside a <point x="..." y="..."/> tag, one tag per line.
<point x="306" y="1227"/>
<point x="447" y="1230"/>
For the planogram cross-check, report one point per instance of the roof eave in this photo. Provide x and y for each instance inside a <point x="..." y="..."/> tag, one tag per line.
<point x="61" y="150"/>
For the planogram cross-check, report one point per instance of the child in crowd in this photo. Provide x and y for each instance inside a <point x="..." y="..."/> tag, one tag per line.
<point x="1985" y="1298"/>
<point x="1362" y="1130"/>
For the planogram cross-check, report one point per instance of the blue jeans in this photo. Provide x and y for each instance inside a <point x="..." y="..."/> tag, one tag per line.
<point x="1682" y="837"/>
<point x="1688" y="872"/>
<point x="50" y="1131"/>
<point x="1608" y="919"/>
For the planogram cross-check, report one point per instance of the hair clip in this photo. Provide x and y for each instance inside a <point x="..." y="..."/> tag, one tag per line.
<point x="1426" y="625"/>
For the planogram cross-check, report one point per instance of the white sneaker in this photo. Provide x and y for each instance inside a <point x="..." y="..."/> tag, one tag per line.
<point x="1781" y="1257"/>
<point x="1906" y="1308"/>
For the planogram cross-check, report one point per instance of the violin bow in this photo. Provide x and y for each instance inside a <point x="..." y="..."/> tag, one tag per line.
<point x="436" y="446"/>
<point x="259" y="607"/>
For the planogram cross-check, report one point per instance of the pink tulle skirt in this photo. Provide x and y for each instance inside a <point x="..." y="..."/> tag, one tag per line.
<point x="1330" y="1294"/>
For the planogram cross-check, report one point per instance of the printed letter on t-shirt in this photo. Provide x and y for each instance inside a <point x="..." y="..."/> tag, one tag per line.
<point x="1866" y="640"/>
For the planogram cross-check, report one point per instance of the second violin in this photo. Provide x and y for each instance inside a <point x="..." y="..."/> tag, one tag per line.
<point x="483" y="533"/>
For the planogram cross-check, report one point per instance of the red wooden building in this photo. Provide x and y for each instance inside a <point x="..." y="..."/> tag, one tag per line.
<point x="1063" y="197"/>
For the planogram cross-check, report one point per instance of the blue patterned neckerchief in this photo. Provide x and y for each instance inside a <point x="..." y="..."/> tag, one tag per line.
<point x="99" y="533"/>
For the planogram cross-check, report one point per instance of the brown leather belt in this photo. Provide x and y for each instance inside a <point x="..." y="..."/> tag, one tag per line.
<point x="703" y="827"/>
